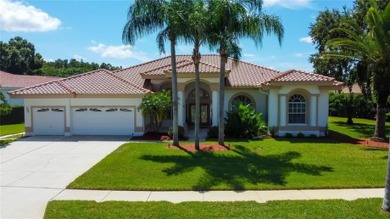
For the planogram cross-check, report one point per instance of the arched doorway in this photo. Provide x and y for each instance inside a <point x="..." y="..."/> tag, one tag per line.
<point x="204" y="108"/>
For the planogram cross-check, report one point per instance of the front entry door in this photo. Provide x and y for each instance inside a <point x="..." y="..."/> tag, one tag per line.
<point x="204" y="114"/>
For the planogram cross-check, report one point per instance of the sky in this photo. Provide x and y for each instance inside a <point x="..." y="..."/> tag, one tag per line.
<point x="91" y="30"/>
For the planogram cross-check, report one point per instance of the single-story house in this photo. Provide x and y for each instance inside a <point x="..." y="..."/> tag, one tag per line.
<point x="103" y="102"/>
<point x="10" y="82"/>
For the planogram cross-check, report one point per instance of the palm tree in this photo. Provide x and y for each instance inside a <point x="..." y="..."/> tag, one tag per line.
<point x="148" y="16"/>
<point x="196" y="33"/>
<point x="371" y="47"/>
<point x="230" y="21"/>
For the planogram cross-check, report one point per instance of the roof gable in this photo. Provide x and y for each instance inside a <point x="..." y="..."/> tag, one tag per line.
<point x="96" y="82"/>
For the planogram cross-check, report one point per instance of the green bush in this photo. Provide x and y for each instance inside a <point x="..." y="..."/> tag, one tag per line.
<point x="244" y="122"/>
<point x="359" y="106"/>
<point x="16" y="116"/>
<point x="213" y="132"/>
<point x="300" y="135"/>
<point x="288" y="135"/>
<point x="181" y="132"/>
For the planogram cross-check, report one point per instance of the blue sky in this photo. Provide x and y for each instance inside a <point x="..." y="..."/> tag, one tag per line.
<point x="92" y="29"/>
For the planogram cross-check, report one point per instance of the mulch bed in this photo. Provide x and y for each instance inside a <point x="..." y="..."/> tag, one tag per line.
<point x="365" y="143"/>
<point x="203" y="147"/>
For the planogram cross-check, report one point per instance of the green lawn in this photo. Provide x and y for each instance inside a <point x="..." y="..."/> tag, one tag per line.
<point x="362" y="208"/>
<point x="267" y="164"/>
<point x="361" y="129"/>
<point x="11" y="129"/>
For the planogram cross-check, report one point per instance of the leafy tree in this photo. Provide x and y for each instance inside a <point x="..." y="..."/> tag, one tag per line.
<point x="156" y="107"/>
<point x="18" y="56"/>
<point x="341" y="68"/>
<point x="371" y="48"/>
<point x="65" y="67"/>
<point x="230" y="21"/>
<point x="148" y="16"/>
<point x="5" y="108"/>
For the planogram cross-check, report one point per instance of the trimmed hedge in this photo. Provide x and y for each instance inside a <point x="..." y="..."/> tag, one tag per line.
<point x="15" y="117"/>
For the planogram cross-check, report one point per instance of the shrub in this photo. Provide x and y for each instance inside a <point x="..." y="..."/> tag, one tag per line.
<point x="213" y="132"/>
<point x="16" y="116"/>
<point x="359" y="106"/>
<point x="181" y="132"/>
<point x="288" y="135"/>
<point x="244" y="122"/>
<point x="300" y="135"/>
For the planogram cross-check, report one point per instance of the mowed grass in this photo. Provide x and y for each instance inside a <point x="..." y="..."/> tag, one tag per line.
<point x="11" y="129"/>
<point x="264" y="164"/>
<point x="361" y="129"/>
<point x="361" y="208"/>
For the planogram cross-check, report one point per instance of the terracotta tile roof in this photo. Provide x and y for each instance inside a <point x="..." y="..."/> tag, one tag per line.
<point x="204" y="67"/>
<point x="137" y="79"/>
<point x="18" y="81"/>
<point x="242" y="74"/>
<point x="100" y="81"/>
<point x="300" y="76"/>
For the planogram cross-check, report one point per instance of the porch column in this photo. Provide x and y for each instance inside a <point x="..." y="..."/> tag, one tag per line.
<point x="215" y="108"/>
<point x="181" y="103"/>
<point x="313" y="111"/>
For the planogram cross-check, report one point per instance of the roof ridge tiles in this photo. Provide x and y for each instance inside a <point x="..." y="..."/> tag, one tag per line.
<point x="161" y="67"/>
<point x="65" y="87"/>
<point x="127" y="82"/>
<point x="141" y="64"/>
<point x="255" y="65"/>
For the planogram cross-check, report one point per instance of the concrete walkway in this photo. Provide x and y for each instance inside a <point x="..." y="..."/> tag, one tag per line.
<point x="182" y="196"/>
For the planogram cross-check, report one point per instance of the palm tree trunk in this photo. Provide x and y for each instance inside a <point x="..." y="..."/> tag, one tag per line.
<point x="386" y="198"/>
<point x="221" y="129"/>
<point x="196" y="59"/>
<point x="174" y="95"/>
<point x="380" y="128"/>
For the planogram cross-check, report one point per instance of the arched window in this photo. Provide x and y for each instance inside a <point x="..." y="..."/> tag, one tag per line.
<point x="241" y="99"/>
<point x="297" y="109"/>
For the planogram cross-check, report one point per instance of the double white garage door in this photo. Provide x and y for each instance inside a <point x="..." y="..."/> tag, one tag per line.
<point x="84" y="121"/>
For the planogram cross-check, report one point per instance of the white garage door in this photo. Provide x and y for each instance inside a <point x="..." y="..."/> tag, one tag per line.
<point x="102" y="121"/>
<point x="48" y="121"/>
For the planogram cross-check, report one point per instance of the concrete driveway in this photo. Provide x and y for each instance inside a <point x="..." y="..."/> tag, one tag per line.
<point x="34" y="170"/>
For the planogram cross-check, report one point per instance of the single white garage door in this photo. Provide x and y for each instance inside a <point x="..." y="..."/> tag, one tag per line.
<point x="102" y="121"/>
<point x="48" y="121"/>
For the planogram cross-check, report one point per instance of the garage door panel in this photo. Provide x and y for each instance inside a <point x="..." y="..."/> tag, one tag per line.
<point x="102" y="121"/>
<point x="48" y="121"/>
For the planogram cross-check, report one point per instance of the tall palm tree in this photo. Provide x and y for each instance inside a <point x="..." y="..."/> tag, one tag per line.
<point x="196" y="33"/>
<point x="148" y="16"/>
<point x="230" y="21"/>
<point x="372" y="47"/>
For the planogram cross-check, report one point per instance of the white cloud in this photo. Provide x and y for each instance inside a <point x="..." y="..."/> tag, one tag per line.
<point x="19" y="17"/>
<point x="249" y="55"/>
<point x="287" y="3"/>
<point x="298" y="55"/>
<point x="306" y="39"/>
<point x="118" y="52"/>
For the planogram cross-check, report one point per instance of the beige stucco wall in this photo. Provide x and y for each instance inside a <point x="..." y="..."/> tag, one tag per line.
<point x="316" y="108"/>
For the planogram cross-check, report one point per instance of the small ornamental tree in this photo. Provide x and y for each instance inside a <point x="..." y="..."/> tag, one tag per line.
<point x="156" y="106"/>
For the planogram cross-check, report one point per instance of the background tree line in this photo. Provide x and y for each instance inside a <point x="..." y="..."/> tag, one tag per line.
<point x="18" y="56"/>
